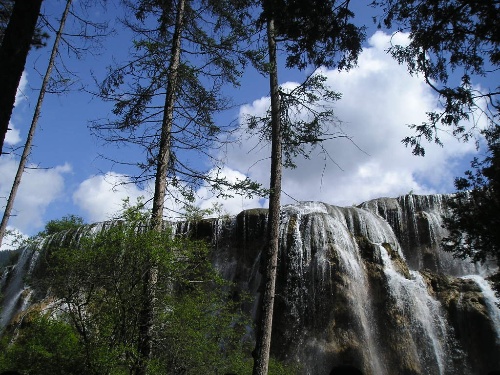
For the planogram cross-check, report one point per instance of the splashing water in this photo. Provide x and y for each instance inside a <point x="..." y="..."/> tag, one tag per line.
<point x="309" y="239"/>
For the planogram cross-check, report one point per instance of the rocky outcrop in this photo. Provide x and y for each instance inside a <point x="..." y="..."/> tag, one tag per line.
<point x="360" y="286"/>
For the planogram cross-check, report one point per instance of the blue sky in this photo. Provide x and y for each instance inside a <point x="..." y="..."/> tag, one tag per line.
<point x="379" y="99"/>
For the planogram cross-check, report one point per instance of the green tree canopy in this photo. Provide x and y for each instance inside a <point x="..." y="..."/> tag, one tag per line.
<point x="39" y="37"/>
<point x="63" y="224"/>
<point x="316" y="33"/>
<point x="166" y="106"/>
<point x="313" y="33"/>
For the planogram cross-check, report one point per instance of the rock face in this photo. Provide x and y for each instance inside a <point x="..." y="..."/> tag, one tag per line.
<point x="366" y="287"/>
<point x="369" y="287"/>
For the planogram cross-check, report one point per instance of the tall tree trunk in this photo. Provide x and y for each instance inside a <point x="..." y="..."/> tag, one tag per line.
<point x="263" y="344"/>
<point x="13" y="53"/>
<point x="34" y="122"/>
<point x="151" y="277"/>
<point x="163" y="158"/>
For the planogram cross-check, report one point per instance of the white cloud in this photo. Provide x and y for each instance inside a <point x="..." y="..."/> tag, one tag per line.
<point x="379" y="98"/>
<point x="12" y="239"/>
<point x="21" y="89"/>
<point x="102" y="196"/>
<point x="233" y="205"/>
<point x="38" y="189"/>
<point x="13" y="137"/>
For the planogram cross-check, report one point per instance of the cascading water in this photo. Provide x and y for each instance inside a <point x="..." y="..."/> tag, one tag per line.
<point x="15" y="292"/>
<point x="307" y="239"/>
<point x="363" y="286"/>
<point x="399" y="322"/>
<point x="428" y="329"/>
<point x="491" y="300"/>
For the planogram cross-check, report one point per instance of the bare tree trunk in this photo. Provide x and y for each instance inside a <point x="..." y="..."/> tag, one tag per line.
<point x="13" y="53"/>
<point x="168" y="115"/>
<point x="146" y="327"/>
<point x="34" y="122"/>
<point x="263" y="344"/>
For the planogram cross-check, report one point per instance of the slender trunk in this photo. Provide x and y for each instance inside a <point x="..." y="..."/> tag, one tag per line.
<point x="146" y="319"/>
<point x="13" y="53"/>
<point x="263" y="344"/>
<point x="34" y="122"/>
<point x="168" y="115"/>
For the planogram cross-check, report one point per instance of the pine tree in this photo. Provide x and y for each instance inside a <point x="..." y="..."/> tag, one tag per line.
<point x="314" y="34"/>
<point x="182" y="63"/>
<point x="5" y="12"/>
<point x="474" y="218"/>
<point x="34" y="122"/>
<point x="166" y="95"/>
<point x="449" y="39"/>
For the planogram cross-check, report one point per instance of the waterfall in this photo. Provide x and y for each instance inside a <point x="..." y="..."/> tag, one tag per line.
<point x="428" y="329"/>
<point x="331" y="256"/>
<point x="417" y="222"/>
<point x="352" y="266"/>
<point x="309" y="233"/>
<point x="491" y="300"/>
<point x="365" y="287"/>
<point x="15" y="293"/>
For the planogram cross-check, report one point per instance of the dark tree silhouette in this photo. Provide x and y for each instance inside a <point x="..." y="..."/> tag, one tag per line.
<point x="313" y="33"/>
<point x="474" y="218"/>
<point x="451" y="43"/>
<point x="14" y="50"/>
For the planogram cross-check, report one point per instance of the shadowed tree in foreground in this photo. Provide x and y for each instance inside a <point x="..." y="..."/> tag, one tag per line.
<point x="16" y="43"/>
<point x="165" y="98"/>
<point x="474" y="216"/>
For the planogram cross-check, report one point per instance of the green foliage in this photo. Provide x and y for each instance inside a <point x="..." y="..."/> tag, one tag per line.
<point x="215" y="33"/>
<point x="313" y="34"/>
<point x="14" y="239"/>
<point x="39" y="38"/>
<point x="195" y="213"/>
<point x="8" y="258"/>
<point x="458" y="37"/>
<point x="316" y="32"/>
<point x="203" y="336"/>
<point x="99" y="285"/>
<point x="5" y="12"/>
<point x="474" y="217"/>
<point x="44" y="346"/>
<point x="59" y="225"/>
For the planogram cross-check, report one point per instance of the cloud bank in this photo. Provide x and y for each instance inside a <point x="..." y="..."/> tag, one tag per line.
<point x="101" y="197"/>
<point x="379" y="98"/>
<point x="38" y="189"/>
<point x="13" y="136"/>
